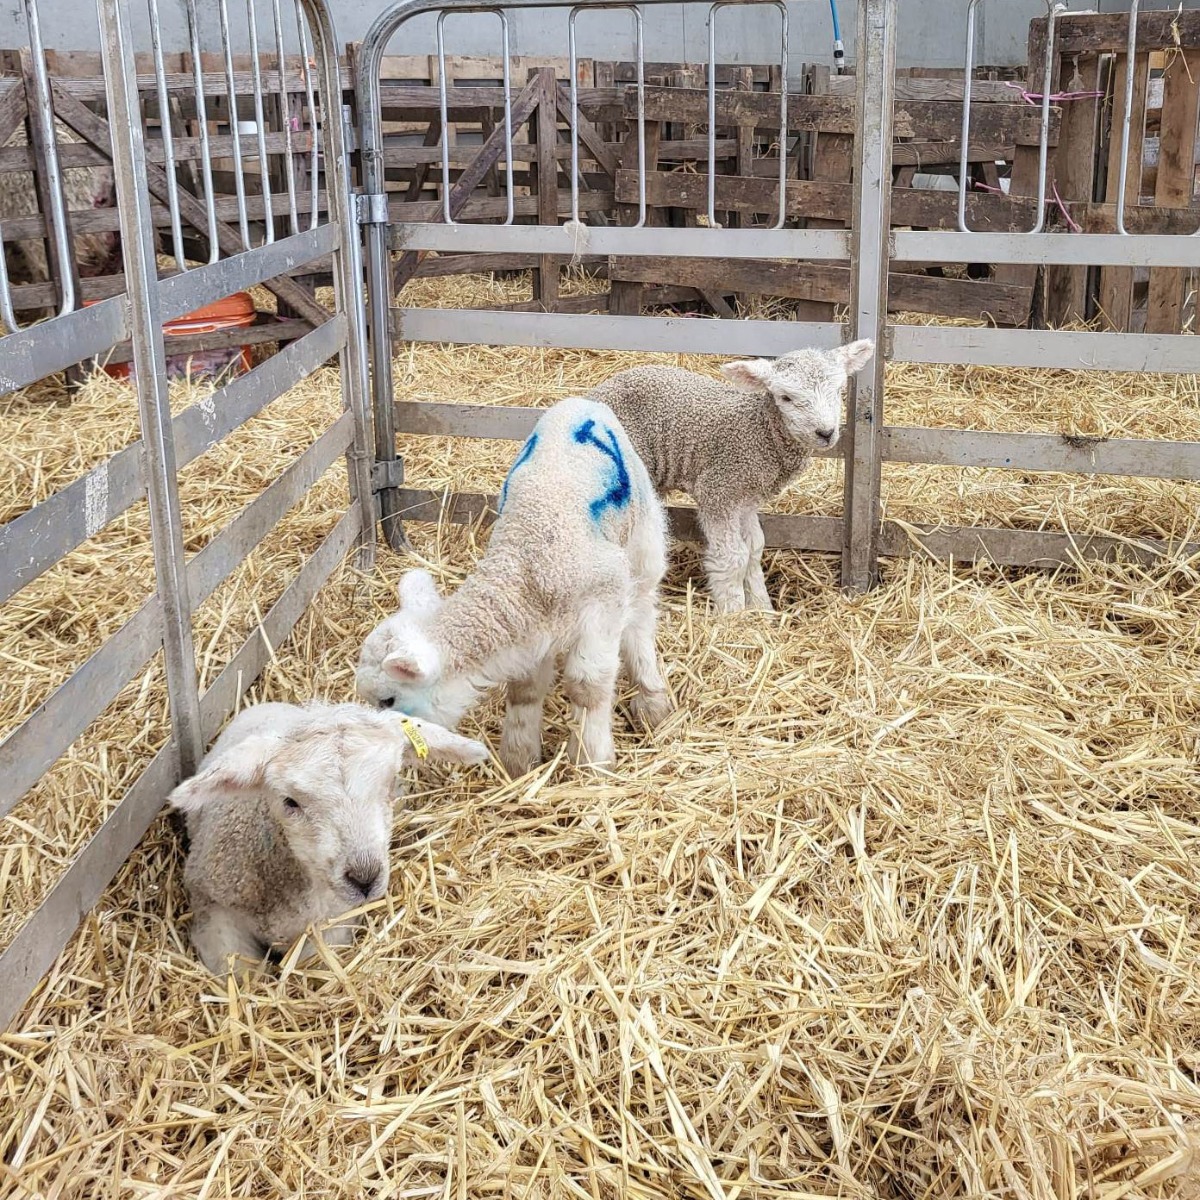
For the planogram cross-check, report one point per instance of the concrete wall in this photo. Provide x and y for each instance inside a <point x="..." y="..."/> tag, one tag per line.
<point x="931" y="31"/>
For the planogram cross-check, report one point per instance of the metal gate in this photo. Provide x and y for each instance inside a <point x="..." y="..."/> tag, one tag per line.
<point x="262" y="247"/>
<point x="870" y="247"/>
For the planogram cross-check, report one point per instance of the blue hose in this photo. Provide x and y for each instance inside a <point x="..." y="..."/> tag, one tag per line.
<point x="839" y="51"/>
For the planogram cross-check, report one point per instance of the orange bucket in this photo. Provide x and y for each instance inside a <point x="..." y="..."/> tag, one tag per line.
<point x="232" y="312"/>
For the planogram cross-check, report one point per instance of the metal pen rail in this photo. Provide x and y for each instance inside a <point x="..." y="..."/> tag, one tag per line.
<point x="41" y="538"/>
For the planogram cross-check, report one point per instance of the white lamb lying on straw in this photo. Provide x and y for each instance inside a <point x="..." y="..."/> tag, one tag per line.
<point x="572" y="571"/>
<point x="289" y="819"/>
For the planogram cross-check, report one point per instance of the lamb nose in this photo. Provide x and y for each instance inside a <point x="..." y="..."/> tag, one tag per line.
<point x="363" y="878"/>
<point x="826" y="435"/>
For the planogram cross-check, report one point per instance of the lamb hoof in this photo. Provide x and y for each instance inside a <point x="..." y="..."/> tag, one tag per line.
<point x="519" y="763"/>
<point x="651" y="709"/>
<point x="599" y="759"/>
<point x="728" y="606"/>
<point x="760" y="604"/>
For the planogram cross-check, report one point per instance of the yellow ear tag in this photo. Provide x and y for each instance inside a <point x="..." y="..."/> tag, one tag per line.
<point x="419" y="744"/>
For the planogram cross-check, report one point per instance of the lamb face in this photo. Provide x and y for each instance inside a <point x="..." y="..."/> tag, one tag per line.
<point x="400" y="668"/>
<point x="807" y="386"/>
<point x="291" y="820"/>
<point x="329" y="796"/>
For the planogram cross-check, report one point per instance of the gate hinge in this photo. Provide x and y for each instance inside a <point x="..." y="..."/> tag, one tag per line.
<point x="387" y="475"/>
<point x="372" y="208"/>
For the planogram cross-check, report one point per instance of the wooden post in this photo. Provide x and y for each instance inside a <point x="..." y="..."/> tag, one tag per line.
<point x="1075" y="173"/>
<point x="744" y="167"/>
<point x="1025" y="166"/>
<point x="546" y="274"/>
<point x="1176" y="179"/>
<point x="832" y="155"/>
<point x="1116" y="283"/>
<point x="625" y="298"/>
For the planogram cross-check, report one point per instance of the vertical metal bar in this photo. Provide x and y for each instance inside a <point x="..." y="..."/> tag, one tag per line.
<point x="783" y="115"/>
<point x="505" y="57"/>
<point x="640" y="54"/>
<point x="347" y="276"/>
<point x="869" y="280"/>
<point x="285" y="111"/>
<point x="712" y="114"/>
<point x="210" y="199"/>
<point x="42" y="115"/>
<point x="239" y="178"/>
<point x="1052" y="12"/>
<point x="447" y="215"/>
<point x="7" y="315"/>
<point x="149" y="357"/>
<point x="310" y="95"/>
<point x="379" y="295"/>
<point x="964" y="157"/>
<point x="1044" y="130"/>
<point x="712" y="111"/>
<point x="1127" y="120"/>
<point x="260" y="126"/>
<point x="574" y="68"/>
<point x="443" y="109"/>
<point x="168" y="138"/>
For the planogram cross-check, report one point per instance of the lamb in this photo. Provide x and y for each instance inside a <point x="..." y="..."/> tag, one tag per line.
<point x="83" y="188"/>
<point x="734" y="445"/>
<point x="289" y="819"/>
<point x="572" y="571"/>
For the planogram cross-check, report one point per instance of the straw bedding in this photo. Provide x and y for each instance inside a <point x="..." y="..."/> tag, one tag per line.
<point x="901" y="903"/>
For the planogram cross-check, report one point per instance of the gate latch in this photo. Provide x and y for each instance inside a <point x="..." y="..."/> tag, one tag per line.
<point x="387" y="475"/>
<point x="371" y="209"/>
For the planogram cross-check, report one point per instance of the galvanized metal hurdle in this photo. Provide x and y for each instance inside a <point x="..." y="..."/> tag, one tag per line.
<point x="870" y="247"/>
<point x="34" y="542"/>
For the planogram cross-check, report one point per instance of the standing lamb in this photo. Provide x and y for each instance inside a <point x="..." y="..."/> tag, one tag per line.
<point x="734" y="445"/>
<point x="289" y="820"/>
<point x="572" y="569"/>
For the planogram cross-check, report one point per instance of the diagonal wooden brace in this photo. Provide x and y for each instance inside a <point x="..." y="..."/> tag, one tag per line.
<point x="94" y="130"/>
<point x="523" y="106"/>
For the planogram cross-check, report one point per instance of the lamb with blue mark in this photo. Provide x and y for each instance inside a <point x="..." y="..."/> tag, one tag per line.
<point x="571" y="573"/>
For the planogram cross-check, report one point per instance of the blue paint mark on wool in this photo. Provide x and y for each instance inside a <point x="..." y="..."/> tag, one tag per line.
<point x="522" y="458"/>
<point x="619" y="491"/>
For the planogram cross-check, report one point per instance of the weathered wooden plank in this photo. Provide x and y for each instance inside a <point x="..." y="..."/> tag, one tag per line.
<point x="1007" y="124"/>
<point x="1176" y="180"/>
<point x="95" y="130"/>
<point x="1074" y="176"/>
<point x="1139" y="218"/>
<point x="824" y="199"/>
<point x="1116" y="283"/>
<point x="522" y="107"/>
<point x="490" y="208"/>
<point x="186" y="149"/>
<point x="1091" y="33"/>
<point x="825" y="282"/>
<point x="546" y="276"/>
<point x="589" y="135"/>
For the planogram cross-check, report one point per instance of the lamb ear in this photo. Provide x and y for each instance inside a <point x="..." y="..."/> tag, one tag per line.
<point x="239" y="769"/>
<point x="411" y="663"/>
<point x="418" y="593"/>
<point x="443" y="744"/>
<point x="855" y="355"/>
<point x="750" y="374"/>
